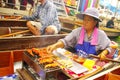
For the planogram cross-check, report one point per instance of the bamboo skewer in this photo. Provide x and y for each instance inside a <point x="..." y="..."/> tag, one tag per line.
<point x="11" y="34"/>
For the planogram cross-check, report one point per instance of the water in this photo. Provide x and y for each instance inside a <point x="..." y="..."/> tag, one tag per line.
<point x="117" y="40"/>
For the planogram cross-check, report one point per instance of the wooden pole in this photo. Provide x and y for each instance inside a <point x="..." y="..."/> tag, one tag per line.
<point x="108" y="59"/>
<point x="11" y="34"/>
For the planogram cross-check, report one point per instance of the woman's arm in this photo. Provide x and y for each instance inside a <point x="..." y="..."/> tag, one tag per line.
<point x="69" y="41"/>
<point x="59" y="44"/>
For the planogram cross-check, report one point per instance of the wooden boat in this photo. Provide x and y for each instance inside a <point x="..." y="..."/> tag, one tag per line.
<point x="68" y="23"/>
<point x="12" y="27"/>
<point x="19" y="44"/>
<point x="112" y="33"/>
<point x="103" y="75"/>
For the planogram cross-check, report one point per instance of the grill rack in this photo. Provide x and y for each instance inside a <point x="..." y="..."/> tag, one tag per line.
<point x="32" y="65"/>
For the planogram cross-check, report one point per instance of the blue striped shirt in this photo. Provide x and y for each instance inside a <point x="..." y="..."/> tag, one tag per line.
<point x="47" y="15"/>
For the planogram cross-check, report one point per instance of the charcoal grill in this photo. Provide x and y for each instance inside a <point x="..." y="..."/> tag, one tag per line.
<point x="34" y="68"/>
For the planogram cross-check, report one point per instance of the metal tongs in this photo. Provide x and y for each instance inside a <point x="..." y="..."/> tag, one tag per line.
<point x="108" y="59"/>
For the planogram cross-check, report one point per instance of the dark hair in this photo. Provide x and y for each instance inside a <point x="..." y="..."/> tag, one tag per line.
<point x="97" y="25"/>
<point x="113" y="18"/>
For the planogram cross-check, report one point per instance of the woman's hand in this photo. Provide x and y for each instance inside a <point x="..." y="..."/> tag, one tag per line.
<point x="114" y="45"/>
<point x="103" y="54"/>
<point x="50" y="48"/>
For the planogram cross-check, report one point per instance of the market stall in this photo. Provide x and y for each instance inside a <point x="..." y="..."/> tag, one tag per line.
<point x="23" y="47"/>
<point x="61" y="64"/>
<point x="17" y="46"/>
<point x="41" y="65"/>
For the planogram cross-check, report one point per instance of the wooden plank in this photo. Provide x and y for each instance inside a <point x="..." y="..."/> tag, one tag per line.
<point x="28" y="42"/>
<point x="6" y="63"/>
<point x="18" y="54"/>
<point x="101" y="75"/>
<point x="5" y="30"/>
<point x="13" y="11"/>
<point x="5" y="56"/>
<point x="91" y="74"/>
<point x="24" y="75"/>
<point x="12" y="23"/>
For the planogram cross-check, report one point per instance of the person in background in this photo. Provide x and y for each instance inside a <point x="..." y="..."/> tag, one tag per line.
<point x="23" y="4"/>
<point x="47" y="17"/>
<point x="110" y="23"/>
<point x="88" y="39"/>
<point x="10" y="4"/>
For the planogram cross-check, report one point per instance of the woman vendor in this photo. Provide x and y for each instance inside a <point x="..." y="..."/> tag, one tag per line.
<point x="88" y="39"/>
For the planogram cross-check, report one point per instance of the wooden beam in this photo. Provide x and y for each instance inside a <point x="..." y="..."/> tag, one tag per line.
<point x="28" y="42"/>
<point x="12" y="23"/>
<point x="13" y="11"/>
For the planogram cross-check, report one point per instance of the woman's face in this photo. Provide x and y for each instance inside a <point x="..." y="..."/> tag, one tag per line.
<point x="89" y="22"/>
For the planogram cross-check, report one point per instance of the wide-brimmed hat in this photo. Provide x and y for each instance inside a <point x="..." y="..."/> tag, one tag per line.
<point x="91" y="12"/>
